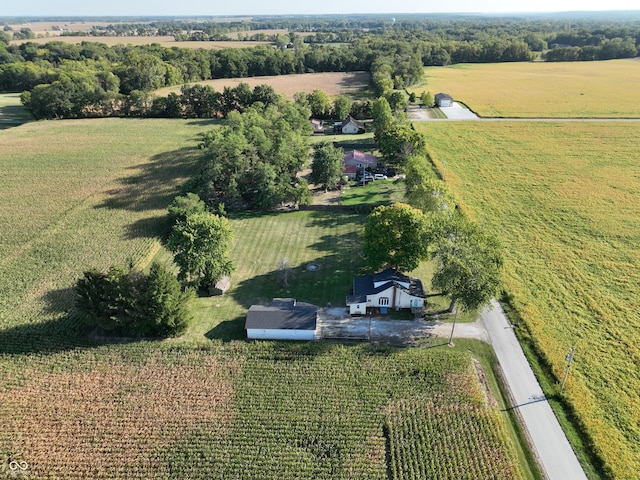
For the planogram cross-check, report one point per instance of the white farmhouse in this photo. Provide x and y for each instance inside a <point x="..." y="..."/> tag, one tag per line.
<point x="386" y="290"/>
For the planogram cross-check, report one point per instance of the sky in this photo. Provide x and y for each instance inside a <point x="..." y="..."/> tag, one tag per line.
<point x="280" y="7"/>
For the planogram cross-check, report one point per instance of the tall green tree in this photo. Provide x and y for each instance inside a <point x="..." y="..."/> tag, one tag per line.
<point x="399" y="142"/>
<point x="185" y="205"/>
<point x="427" y="99"/>
<point x="397" y="100"/>
<point x="426" y="192"/>
<point x="320" y="104"/>
<point x="326" y="166"/>
<point x="128" y="302"/>
<point x="201" y="245"/>
<point x="341" y="107"/>
<point x="468" y="263"/>
<point x="382" y="117"/>
<point x="397" y="236"/>
<point x="163" y="304"/>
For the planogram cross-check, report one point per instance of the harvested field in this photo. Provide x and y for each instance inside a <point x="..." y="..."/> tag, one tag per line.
<point x="166" y="41"/>
<point x="333" y="83"/>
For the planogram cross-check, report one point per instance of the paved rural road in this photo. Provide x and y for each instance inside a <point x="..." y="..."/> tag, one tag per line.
<point x="552" y="447"/>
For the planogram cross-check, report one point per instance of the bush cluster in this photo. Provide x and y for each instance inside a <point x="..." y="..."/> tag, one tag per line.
<point x="129" y="302"/>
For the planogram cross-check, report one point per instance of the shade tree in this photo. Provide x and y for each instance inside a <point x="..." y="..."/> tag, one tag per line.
<point x="468" y="263"/>
<point x="201" y="245"/>
<point x="397" y="236"/>
<point x="326" y="166"/>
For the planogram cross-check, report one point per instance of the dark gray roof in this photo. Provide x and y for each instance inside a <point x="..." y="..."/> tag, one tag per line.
<point x="282" y="317"/>
<point x="442" y="96"/>
<point x="392" y="275"/>
<point x="363" y="286"/>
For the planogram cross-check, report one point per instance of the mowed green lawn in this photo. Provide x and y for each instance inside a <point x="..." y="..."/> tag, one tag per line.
<point x="12" y="112"/>
<point x="538" y="89"/>
<point x="564" y="198"/>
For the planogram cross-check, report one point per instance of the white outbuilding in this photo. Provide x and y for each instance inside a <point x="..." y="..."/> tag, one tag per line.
<point x="443" y="100"/>
<point x="284" y="319"/>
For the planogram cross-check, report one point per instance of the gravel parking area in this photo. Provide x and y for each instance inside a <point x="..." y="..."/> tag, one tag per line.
<point x="337" y="324"/>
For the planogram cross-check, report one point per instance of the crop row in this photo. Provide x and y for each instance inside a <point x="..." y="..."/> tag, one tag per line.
<point x="246" y="410"/>
<point x="447" y="441"/>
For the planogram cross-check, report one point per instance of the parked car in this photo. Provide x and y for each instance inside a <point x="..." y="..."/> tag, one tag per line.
<point x="379" y="176"/>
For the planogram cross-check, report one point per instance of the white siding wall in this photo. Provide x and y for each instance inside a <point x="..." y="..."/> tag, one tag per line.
<point x="280" y="334"/>
<point x="357" y="309"/>
<point x="350" y="128"/>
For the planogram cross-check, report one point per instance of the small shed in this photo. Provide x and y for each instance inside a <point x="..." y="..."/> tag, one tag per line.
<point x="443" y="100"/>
<point x="284" y="319"/>
<point x="221" y="286"/>
<point x="318" y="126"/>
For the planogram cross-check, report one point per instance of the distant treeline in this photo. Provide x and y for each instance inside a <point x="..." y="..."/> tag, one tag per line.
<point x="394" y="51"/>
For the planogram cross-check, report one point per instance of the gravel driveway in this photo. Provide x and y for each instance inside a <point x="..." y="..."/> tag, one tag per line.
<point x="336" y="323"/>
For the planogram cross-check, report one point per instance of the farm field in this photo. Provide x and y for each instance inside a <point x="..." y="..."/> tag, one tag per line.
<point x="333" y="83"/>
<point x="91" y="193"/>
<point x="253" y="410"/>
<point x="79" y="194"/>
<point x="566" y="210"/>
<point x="166" y="41"/>
<point x="538" y="89"/>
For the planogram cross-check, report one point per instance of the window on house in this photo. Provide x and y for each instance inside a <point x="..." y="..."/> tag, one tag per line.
<point x="383" y="301"/>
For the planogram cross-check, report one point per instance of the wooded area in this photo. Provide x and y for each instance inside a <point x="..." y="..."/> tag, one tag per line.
<point x="91" y="79"/>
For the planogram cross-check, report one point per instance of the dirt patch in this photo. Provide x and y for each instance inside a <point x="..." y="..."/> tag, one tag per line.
<point x="489" y="400"/>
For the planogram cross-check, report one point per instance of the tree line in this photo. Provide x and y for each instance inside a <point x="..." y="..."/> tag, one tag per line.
<point x="93" y="79"/>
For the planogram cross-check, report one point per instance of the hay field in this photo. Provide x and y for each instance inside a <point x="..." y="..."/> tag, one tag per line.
<point x="603" y="89"/>
<point x="563" y="198"/>
<point x="333" y="83"/>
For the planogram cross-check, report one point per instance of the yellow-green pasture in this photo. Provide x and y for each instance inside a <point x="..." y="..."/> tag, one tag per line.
<point x="564" y="198"/>
<point x="605" y="89"/>
<point x="78" y="194"/>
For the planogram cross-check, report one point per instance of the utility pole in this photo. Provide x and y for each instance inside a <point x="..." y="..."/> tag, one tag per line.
<point x="569" y="359"/>
<point x="451" y="344"/>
